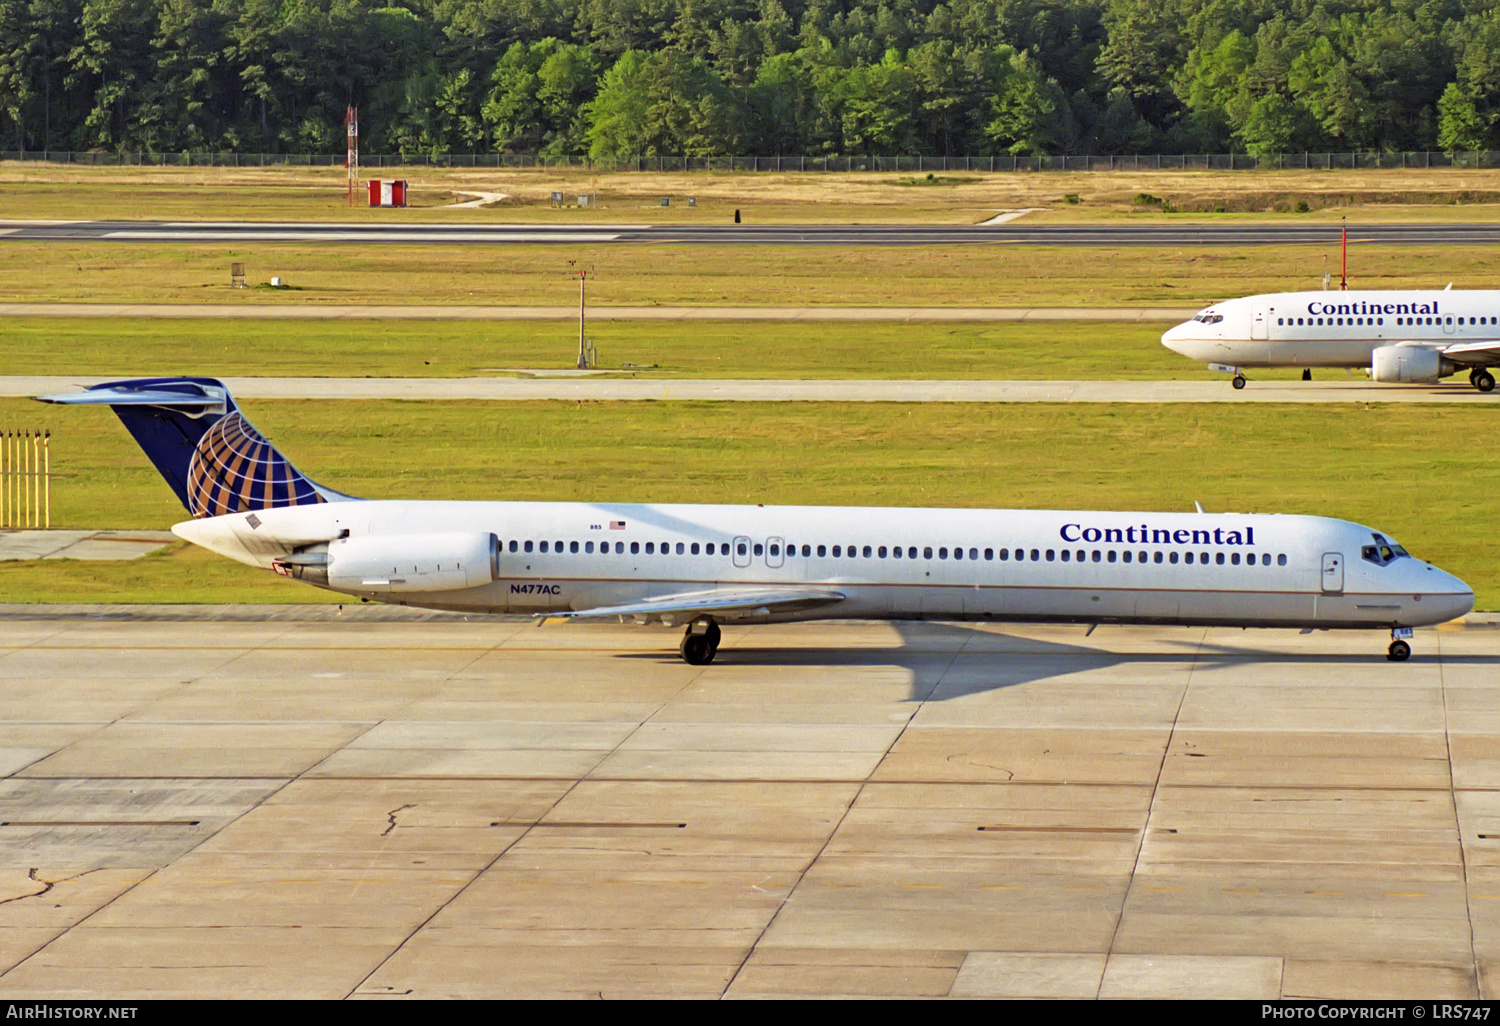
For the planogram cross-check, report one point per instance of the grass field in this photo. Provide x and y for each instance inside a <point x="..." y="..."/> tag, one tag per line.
<point x="734" y="349"/>
<point x="33" y="190"/>
<point x="642" y="275"/>
<point x="1396" y="467"/>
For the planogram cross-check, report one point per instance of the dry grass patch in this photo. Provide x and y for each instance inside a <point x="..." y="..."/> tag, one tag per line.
<point x="34" y="190"/>
<point x="762" y="276"/>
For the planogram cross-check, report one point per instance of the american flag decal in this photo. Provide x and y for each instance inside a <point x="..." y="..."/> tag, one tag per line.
<point x="617" y="525"/>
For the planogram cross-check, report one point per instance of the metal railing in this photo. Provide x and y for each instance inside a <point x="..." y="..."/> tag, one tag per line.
<point x="1331" y="161"/>
<point x="26" y="478"/>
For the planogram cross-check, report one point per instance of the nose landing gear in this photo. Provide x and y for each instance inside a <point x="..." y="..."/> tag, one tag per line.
<point x="1400" y="651"/>
<point x="1227" y="368"/>
<point x="700" y="643"/>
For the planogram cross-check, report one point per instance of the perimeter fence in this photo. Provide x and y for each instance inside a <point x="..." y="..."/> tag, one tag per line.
<point x="1349" y="160"/>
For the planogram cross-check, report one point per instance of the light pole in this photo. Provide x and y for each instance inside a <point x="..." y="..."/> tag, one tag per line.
<point x="587" y="356"/>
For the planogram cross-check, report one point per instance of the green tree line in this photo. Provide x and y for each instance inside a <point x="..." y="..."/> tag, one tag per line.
<point x="624" y="78"/>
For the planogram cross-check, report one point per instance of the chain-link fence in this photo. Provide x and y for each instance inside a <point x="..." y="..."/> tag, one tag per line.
<point x="1346" y="160"/>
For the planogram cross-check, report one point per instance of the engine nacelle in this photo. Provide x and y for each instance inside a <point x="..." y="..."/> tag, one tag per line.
<point x="397" y="563"/>
<point x="1409" y="365"/>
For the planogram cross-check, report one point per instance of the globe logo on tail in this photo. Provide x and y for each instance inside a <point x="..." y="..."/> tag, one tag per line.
<point x="235" y="470"/>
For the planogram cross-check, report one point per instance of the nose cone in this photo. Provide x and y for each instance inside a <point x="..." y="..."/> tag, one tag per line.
<point x="1175" y="339"/>
<point x="1445" y="597"/>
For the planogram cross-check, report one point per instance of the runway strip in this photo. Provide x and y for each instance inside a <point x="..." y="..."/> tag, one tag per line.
<point x="595" y="389"/>
<point x="1131" y="233"/>
<point x="306" y="311"/>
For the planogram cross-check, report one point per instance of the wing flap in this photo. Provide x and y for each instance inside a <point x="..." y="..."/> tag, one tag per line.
<point x="729" y="603"/>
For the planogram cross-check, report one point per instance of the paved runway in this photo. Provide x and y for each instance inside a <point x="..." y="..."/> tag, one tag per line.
<point x="1133" y="233"/>
<point x="577" y="386"/>
<point x="232" y="802"/>
<point x="320" y="312"/>
<point x="58" y="544"/>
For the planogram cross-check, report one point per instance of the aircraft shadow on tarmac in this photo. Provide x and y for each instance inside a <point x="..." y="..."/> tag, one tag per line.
<point x="948" y="661"/>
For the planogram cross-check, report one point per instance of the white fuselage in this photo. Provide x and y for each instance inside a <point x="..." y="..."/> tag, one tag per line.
<point x="953" y="564"/>
<point x="1334" y="329"/>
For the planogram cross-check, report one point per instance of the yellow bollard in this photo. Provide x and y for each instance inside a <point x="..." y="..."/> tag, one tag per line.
<point x="36" y="478"/>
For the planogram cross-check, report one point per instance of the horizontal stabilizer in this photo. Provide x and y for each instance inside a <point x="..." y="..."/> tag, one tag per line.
<point x="728" y="603"/>
<point x="192" y="396"/>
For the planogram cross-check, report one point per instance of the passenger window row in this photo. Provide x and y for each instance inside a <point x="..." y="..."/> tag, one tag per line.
<point x="1404" y="321"/>
<point x="1443" y="320"/>
<point x="898" y="552"/>
<point x="1158" y="556"/>
<point x="587" y="548"/>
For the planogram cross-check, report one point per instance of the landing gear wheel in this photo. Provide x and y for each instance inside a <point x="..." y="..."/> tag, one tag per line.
<point x="699" y="647"/>
<point x="1399" y="652"/>
<point x="1484" y="380"/>
<point x="1239" y="381"/>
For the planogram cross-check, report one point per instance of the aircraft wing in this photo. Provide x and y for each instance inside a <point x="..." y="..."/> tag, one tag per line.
<point x="1476" y="354"/>
<point x="729" y="603"/>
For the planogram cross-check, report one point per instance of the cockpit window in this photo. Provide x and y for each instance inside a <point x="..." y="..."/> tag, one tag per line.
<point x="1382" y="552"/>
<point x="1209" y="317"/>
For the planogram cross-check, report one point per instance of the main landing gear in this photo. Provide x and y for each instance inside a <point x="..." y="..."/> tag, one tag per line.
<point x="700" y="643"/>
<point x="1400" y="651"/>
<point x="1482" y="379"/>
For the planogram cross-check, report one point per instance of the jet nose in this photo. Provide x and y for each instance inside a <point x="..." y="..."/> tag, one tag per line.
<point x="1175" y="338"/>
<point x="1451" y="597"/>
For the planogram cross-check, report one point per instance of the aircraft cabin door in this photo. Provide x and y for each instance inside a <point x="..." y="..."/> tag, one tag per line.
<point x="1447" y="325"/>
<point x="1333" y="573"/>
<point x="773" y="551"/>
<point x="1259" y="322"/>
<point x="742" y="552"/>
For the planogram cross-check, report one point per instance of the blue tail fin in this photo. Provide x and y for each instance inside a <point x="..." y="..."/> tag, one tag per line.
<point x="213" y="457"/>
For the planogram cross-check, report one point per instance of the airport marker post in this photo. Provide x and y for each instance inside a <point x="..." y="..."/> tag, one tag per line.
<point x="587" y="356"/>
<point x="1344" y="255"/>
<point x="26" y="478"/>
<point x="351" y="159"/>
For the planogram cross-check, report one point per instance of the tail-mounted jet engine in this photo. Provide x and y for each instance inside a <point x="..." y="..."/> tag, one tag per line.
<point x="1409" y="364"/>
<point x="398" y="563"/>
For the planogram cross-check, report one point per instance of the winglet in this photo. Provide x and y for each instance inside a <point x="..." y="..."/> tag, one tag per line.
<point x="1198" y="506"/>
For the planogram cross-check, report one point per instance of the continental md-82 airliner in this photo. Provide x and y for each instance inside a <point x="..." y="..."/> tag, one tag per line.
<point x="700" y="566"/>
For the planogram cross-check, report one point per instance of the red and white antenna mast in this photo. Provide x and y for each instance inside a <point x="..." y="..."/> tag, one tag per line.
<point x="351" y="122"/>
<point x="1344" y="260"/>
